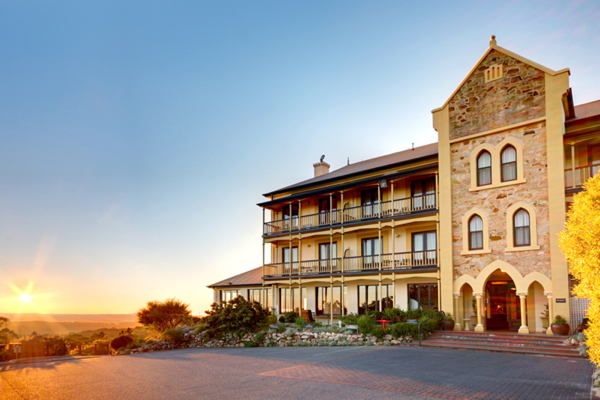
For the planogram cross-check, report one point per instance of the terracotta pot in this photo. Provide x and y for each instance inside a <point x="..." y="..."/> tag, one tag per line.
<point x="449" y="325"/>
<point x="560" y="329"/>
<point x="545" y="322"/>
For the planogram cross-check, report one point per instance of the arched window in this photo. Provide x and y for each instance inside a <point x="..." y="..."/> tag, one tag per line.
<point x="475" y="233"/>
<point x="522" y="234"/>
<point x="484" y="169"/>
<point x="509" y="164"/>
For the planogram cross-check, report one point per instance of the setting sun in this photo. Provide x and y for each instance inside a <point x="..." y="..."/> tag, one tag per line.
<point x="25" y="298"/>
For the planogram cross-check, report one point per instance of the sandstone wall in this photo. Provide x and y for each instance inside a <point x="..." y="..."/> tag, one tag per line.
<point x="517" y="97"/>
<point x="496" y="201"/>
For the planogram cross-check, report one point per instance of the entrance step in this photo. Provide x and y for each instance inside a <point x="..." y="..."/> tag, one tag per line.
<point x="547" y="345"/>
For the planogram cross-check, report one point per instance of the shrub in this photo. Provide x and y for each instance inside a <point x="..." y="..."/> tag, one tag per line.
<point x="289" y="332"/>
<point x="289" y="317"/>
<point x="250" y="343"/>
<point x="164" y="315"/>
<point x="349" y="319"/>
<point x="394" y="315"/>
<point x="366" y="324"/>
<point x="174" y="335"/>
<point x="120" y="341"/>
<point x="236" y="315"/>
<point x="559" y="320"/>
<point x="300" y="322"/>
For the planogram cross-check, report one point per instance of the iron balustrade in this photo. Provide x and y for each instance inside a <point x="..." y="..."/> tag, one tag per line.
<point x="385" y="209"/>
<point x="579" y="176"/>
<point x="388" y="262"/>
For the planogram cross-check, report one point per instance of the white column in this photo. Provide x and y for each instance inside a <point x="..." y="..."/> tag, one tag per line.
<point x="479" y="327"/>
<point x="523" y="329"/>
<point x="457" y="326"/>
<point x="550" y="313"/>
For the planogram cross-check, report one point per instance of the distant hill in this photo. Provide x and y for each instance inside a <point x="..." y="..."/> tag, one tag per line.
<point x="61" y="324"/>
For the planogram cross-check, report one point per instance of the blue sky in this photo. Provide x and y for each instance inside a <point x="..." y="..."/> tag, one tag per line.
<point x="137" y="137"/>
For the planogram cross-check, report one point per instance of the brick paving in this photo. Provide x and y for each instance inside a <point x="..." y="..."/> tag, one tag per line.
<point x="329" y="373"/>
<point x="451" y="374"/>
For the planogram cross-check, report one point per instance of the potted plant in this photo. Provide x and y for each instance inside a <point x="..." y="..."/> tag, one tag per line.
<point x="560" y="326"/>
<point x="474" y="316"/>
<point x="449" y="322"/>
<point x="545" y="317"/>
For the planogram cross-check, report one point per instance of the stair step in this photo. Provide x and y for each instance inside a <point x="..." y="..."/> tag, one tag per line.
<point x="506" y="346"/>
<point x="498" y="340"/>
<point x="555" y="353"/>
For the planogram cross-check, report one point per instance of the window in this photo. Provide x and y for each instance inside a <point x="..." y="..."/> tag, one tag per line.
<point x="325" y="255"/>
<point x="509" y="164"/>
<point x="423" y="296"/>
<point x="227" y="295"/>
<point x="326" y="299"/>
<point x="294" y="216"/>
<point x="324" y="217"/>
<point x="423" y="193"/>
<point x="475" y="233"/>
<point x="289" y="264"/>
<point x="424" y="246"/>
<point x="369" y="201"/>
<point x="484" y="169"/>
<point x="370" y="253"/>
<point x="521" y="235"/>
<point x="289" y="300"/>
<point x="368" y="299"/>
<point x="255" y="295"/>
<point x="594" y="160"/>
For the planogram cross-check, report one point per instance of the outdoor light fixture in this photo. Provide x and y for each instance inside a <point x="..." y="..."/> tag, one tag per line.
<point x="383" y="183"/>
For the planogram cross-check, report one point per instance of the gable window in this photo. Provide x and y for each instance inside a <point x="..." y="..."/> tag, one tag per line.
<point x="484" y="169"/>
<point x="522" y="234"/>
<point x="475" y="233"/>
<point x="509" y="164"/>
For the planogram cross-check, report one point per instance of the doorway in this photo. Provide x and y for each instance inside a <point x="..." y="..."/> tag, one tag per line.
<point x="503" y="307"/>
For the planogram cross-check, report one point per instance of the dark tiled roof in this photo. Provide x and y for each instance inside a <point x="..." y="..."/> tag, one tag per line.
<point x="366" y="166"/>
<point x="248" y="278"/>
<point x="587" y="110"/>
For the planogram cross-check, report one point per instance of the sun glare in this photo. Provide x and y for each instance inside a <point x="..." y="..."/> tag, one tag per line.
<point x="26" y="298"/>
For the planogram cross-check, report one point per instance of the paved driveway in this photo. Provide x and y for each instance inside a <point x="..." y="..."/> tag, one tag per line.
<point x="302" y="373"/>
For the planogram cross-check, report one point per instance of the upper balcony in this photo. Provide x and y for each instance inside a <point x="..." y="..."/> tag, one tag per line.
<point x="370" y="211"/>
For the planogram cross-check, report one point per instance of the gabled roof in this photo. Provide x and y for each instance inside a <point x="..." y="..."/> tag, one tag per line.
<point x="494" y="46"/>
<point x="248" y="278"/>
<point x="369" y="165"/>
<point x="587" y="110"/>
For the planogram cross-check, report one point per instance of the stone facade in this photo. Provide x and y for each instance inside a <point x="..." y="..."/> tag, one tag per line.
<point x="517" y="97"/>
<point x="495" y="202"/>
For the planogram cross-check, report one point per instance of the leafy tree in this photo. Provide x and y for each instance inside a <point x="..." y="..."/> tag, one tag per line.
<point x="236" y="315"/>
<point x="164" y="315"/>
<point x="120" y="342"/>
<point x="580" y="243"/>
<point x="6" y="335"/>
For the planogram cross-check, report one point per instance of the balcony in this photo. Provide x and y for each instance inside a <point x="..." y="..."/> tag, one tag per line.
<point x="577" y="177"/>
<point x="387" y="262"/>
<point x="383" y="210"/>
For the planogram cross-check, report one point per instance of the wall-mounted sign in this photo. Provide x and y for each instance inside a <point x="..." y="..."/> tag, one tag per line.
<point x="561" y="300"/>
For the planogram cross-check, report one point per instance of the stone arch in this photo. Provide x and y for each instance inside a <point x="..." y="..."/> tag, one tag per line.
<point x="511" y="271"/>
<point x="539" y="278"/>
<point x="464" y="280"/>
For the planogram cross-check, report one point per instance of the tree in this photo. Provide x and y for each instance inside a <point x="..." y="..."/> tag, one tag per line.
<point x="580" y="243"/>
<point x="6" y="335"/>
<point x="236" y="315"/>
<point x="165" y="315"/>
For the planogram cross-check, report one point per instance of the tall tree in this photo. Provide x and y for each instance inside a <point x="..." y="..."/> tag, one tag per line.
<point x="580" y="243"/>
<point x="164" y="315"/>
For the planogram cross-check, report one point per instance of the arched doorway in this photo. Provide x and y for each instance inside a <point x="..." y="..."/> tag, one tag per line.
<point x="502" y="304"/>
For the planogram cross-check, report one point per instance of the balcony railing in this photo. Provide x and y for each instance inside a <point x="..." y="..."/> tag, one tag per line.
<point x="387" y="262"/>
<point x="580" y="175"/>
<point x="385" y="209"/>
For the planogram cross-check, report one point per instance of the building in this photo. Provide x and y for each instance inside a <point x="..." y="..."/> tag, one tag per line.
<point x="468" y="225"/>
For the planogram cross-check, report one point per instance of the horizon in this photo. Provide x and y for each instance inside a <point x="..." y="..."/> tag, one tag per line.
<point x="137" y="138"/>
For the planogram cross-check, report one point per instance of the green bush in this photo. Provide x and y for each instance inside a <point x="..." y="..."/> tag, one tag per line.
<point x="174" y="335"/>
<point x="120" y="341"/>
<point x="289" y="317"/>
<point x="349" y="319"/>
<point x="259" y="337"/>
<point x="250" y="343"/>
<point x="365" y="324"/>
<point x="236" y="315"/>
<point x="394" y="315"/>
<point x="300" y="322"/>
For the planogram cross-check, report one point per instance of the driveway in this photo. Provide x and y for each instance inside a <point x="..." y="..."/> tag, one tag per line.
<point x="302" y="373"/>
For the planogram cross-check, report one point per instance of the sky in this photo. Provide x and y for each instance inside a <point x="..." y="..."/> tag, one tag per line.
<point x="136" y="138"/>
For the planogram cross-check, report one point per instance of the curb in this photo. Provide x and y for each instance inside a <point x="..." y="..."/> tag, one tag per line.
<point x="44" y="359"/>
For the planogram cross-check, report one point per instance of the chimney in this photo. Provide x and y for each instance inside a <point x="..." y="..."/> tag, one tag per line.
<point x="321" y="168"/>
